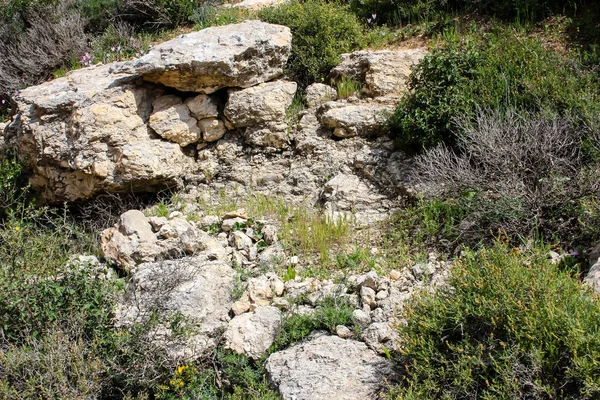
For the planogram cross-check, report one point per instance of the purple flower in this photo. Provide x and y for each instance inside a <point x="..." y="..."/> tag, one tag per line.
<point x="374" y="16"/>
<point x="3" y="101"/>
<point x="574" y="253"/>
<point x="369" y="20"/>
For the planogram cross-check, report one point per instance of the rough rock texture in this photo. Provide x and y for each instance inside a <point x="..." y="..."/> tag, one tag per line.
<point x="136" y="239"/>
<point x="238" y="55"/>
<point x="382" y="72"/>
<point x="259" y="104"/>
<point x="318" y="94"/>
<point x="198" y="289"/>
<point x="171" y="120"/>
<point x="593" y="277"/>
<point x="328" y="367"/>
<point x="258" y="4"/>
<point x="86" y="133"/>
<point x="253" y="333"/>
<point x="349" y="120"/>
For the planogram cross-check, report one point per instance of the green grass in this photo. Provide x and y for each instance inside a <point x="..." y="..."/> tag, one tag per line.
<point x="347" y="87"/>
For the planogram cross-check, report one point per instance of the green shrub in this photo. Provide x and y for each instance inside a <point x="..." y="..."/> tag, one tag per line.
<point x="510" y="325"/>
<point x="416" y="11"/>
<point x="321" y="33"/>
<point x="498" y="70"/>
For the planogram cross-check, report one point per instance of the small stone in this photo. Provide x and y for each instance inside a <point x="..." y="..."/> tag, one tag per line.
<point x="242" y="305"/>
<point x="367" y="296"/>
<point x="361" y="318"/>
<point x="239" y="213"/>
<point x="209" y="220"/>
<point x="423" y="269"/>
<point x="252" y="253"/>
<point x="381" y="295"/>
<point x="134" y="222"/>
<point x="240" y="241"/>
<point x="343" y="331"/>
<point x="281" y="303"/>
<point x="253" y="333"/>
<point x="175" y="214"/>
<point x="370" y="280"/>
<point x="277" y="286"/>
<point x="212" y="129"/>
<point x="269" y="234"/>
<point x="394" y="275"/>
<point x="202" y="106"/>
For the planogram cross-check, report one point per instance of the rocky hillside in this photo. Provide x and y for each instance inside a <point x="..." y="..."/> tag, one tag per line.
<point x="406" y="228"/>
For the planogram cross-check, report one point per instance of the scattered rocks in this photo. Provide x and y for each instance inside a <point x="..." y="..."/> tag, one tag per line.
<point x="328" y="367"/>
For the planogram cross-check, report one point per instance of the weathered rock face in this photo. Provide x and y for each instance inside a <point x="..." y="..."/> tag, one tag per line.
<point x="253" y="333"/>
<point x="103" y="129"/>
<point x="328" y="367"/>
<point x="349" y="120"/>
<point x="198" y="289"/>
<point x="86" y="133"/>
<point x="137" y="239"/>
<point x="260" y="104"/>
<point x="382" y="72"/>
<point x="240" y="55"/>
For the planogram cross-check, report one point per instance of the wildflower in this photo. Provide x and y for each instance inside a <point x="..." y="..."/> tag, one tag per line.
<point x="574" y="253"/>
<point x="17" y="228"/>
<point x="369" y="20"/>
<point x="374" y="16"/>
<point x="3" y="101"/>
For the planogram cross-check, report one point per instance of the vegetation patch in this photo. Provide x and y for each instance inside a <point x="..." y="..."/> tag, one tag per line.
<point x="511" y="324"/>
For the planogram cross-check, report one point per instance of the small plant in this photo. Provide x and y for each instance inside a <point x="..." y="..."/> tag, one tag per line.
<point x="347" y="87"/>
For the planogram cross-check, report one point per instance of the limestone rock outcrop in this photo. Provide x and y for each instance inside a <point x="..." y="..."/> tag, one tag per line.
<point x="86" y="133"/>
<point x="382" y="72"/>
<point x="108" y="129"/>
<point x="238" y="55"/>
<point x="349" y="120"/>
<point x="193" y="287"/>
<point x="328" y="367"/>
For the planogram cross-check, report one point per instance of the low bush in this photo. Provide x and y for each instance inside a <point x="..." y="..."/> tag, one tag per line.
<point x="509" y="325"/>
<point x="497" y="70"/>
<point x="39" y="40"/>
<point x="321" y="33"/>
<point x="523" y="174"/>
<point x="416" y="11"/>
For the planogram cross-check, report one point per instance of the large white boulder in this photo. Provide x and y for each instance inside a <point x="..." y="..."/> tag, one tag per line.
<point x="237" y="55"/>
<point x="328" y="367"/>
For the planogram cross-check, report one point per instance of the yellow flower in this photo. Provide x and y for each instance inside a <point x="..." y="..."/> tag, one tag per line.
<point x="17" y="228"/>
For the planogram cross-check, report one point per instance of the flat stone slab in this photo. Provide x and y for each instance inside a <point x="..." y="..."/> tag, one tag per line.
<point x="328" y="367"/>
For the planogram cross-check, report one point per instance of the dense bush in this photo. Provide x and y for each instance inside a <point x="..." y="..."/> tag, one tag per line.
<point x="520" y="173"/>
<point x="402" y="11"/>
<point x="321" y="33"/>
<point x="509" y="325"/>
<point x="497" y="70"/>
<point x="37" y="41"/>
